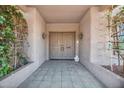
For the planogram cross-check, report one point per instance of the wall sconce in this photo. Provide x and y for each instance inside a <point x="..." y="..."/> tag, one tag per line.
<point x="81" y="35"/>
<point x="43" y="35"/>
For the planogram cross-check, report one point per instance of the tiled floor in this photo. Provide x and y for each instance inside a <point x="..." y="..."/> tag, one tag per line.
<point x="61" y="74"/>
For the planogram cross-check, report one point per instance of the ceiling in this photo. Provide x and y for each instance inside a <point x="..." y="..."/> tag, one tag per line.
<point x="62" y="13"/>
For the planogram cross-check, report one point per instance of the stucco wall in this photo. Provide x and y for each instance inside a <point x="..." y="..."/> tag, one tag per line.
<point x="36" y="26"/>
<point x="93" y="46"/>
<point x="108" y="78"/>
<point x="39" y="42"/>
<point x="63" y="27"/>
<point x="36" y="50"/>
<point x="85" y="41"/>
<point x="94" y="50"/>
<point x="99" y="52"/>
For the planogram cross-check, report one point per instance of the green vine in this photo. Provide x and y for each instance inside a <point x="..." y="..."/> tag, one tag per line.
<point x="11" y="19"/>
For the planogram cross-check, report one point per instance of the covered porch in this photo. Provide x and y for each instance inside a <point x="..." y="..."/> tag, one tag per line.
<point x="56" y="36"/>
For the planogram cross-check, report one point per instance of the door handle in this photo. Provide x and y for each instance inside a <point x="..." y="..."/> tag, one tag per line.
<point x="62" y="48"/>
<point x="68" y="47"/>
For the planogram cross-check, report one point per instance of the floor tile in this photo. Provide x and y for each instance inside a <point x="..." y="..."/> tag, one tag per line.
<point x="67" y="84"/>
<point x="45" y="84"/>
<point x="61" y="73"/>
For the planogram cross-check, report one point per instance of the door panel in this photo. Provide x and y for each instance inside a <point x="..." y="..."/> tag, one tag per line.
<point x="55" y="42"/>
<point x="68" y="40"/>
<point x="61" y="45"/>
<point x="54" y="46"/>
<point x="60" y="42"/>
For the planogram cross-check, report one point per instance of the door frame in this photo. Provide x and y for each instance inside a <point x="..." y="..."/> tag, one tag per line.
<point x="62" y="32"/>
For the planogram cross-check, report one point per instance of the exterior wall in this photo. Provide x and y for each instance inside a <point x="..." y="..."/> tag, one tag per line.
<point x="36" y="49"/>
<point x="63" y="27"/>
<point x="39" y="42"/>
<point x="94" y="49"/>
<point x="99" y="52"/>
<point x="93" y="46"/>
<point x="108" y="78"/>
<point x="37" y="26"/>
<point x="85" y="41"/>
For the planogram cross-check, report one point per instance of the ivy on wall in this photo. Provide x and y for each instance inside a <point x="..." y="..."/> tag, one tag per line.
<point x="115" y="26"/>
<point x="11" y="20"/>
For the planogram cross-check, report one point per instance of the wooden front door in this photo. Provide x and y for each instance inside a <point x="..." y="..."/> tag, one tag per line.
<point x="62" y="45"/>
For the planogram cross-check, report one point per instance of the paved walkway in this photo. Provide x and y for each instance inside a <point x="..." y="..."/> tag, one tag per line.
<point x="61" y="74"/>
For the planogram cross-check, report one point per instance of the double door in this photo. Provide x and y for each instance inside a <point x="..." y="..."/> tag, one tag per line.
<point x="62" y="45"/>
